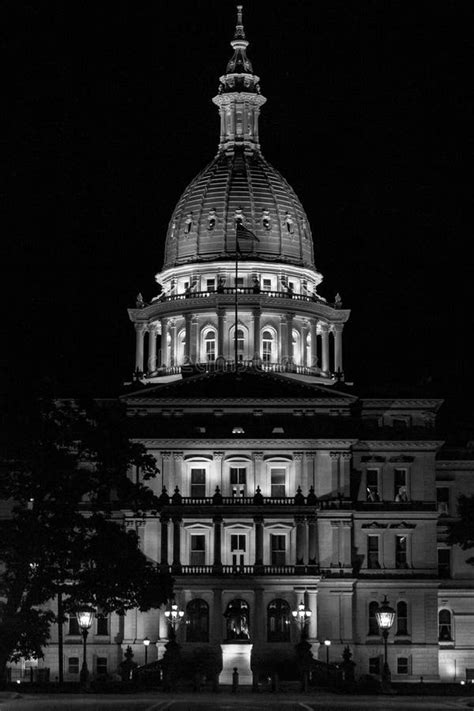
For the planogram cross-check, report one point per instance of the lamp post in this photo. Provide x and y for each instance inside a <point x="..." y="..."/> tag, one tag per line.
<point x="84" y="618"/>
<point x="301" y="617"/>
<point x="172" y="657"/>
<point x="303" y="649"/>
<point x="174" y="616"/>
<point x="327" y="643"/>
<point x="385" y="616"/>
<point x="146" y="643"/>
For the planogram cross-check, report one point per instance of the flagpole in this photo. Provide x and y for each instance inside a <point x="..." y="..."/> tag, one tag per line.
<point x="236" y="300"/>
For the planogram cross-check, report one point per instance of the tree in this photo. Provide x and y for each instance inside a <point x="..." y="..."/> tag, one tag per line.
<point x="461" y="531"/>
<point x="64" y="496"/>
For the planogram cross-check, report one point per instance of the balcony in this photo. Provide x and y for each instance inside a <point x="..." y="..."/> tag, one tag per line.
<point x="257" y="500"/>
<point x="395" y="506"/>
<point x="250" y="570"/>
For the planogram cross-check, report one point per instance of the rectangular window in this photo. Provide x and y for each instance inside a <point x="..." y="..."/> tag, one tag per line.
<point x="198" y="550"/>
<point x="372" y="485"/>
<point x="400" y="551"/>
<point x="210" y="284"/>
<point x="240" y="282"/>
<point x="444" y="562"/>
<point x="278" y="483"/>
<point x="374" y="665"/>
<point x="238" y="547"/>
<point x="73" y="626"/>
<point x="278" y="549"/>
<point x="267" y="284"/>
<point x="400" y="484"/>
<point x="442" y="499"/>
<point x="102" y="625"/>
<point x="373" y="552"/>
<point x="198" y="483"/>
<point x="101" y="665"/>
<point x="402" y="665"/>
<point x="238" y="480"/>
<point x="73" y="665"/>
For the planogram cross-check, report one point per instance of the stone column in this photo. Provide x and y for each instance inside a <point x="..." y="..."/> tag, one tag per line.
<point x="334" y="472"/>
<point x="172" y="326"/>
<point x="178" y="471"/>
<point x="257" y="463"/>
<point x="139" y="346"/>
<point x="187" y="342"/>
<point x="258" y="520"/>
<point x="338" y="347"/>
<point x="335" y="554"/>
<point x="304" y="344"/>
<point x="283" y="341"/>
<point x="300" y="479"/>
<point x="312" y="596"/>
<point x="176" y="567"/>
<point x="312" y="539"/>
<point x="300" y="540"/>
<point x="289" y="334"/>
<point x="310" y="459"/>
<point x="346" y="474"/>
<point x="256" y="334"/>
<point x="164" y="518"/>
<point x="217" y="564"/>
<point x="345" y="544"/>
<point x="313" y="323"/>
<point x="325" y="348"/>
<point x="217" y="617"/>
<point x="259" y="617"/>
<point x="164" y="342"/>
<point x="220" y="331"/>
<point x="194" y="352"/>
<point x="152" y="333"/>
<point x="166" y="474"/>
<point x="218" y="458"/>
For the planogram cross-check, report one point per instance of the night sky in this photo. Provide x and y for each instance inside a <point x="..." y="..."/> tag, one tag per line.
<point x="368" y="117"/>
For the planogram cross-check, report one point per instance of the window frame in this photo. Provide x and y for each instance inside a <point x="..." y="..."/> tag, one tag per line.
<point x="282" y="618"/>
<point x="449" y="626"/>
<point x="201" y="633"/>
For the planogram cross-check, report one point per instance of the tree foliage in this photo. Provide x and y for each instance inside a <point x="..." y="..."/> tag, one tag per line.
<point x="64" y="496"/>
<point x="461" y="531"/>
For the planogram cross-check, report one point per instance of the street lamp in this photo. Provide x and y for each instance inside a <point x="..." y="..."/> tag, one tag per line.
<point x="301" y="617"/>
<point x="174" y="616"/>
<point x="146" y="642"/>
<point x="327" y="643"/>
<point x="84" y="618"/>
<point x="385" y="616"/>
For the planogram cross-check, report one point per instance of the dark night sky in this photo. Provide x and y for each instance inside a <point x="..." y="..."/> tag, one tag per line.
<point x="368" y="117"/>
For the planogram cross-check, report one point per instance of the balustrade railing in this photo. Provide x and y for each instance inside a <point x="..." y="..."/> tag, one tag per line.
<point x="248" y="570"/>
<point x="226" y="290"/>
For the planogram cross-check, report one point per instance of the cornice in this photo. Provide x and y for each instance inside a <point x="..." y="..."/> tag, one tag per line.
<point x="406" y="444"/>
<point x="399" y="403"/>
<point x="449" y="464"/>
<point x="207" y="444"/>
<point x="210" y="402"/>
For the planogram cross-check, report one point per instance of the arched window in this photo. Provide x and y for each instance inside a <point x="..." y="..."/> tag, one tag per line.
<point x="241" y="342"/>
<point x="237" y="620"/>
<point x="210" y="346"/>
<point x="278" y="621"/>
<point x="402" y="618"/>
<point x="267" y="346"/>
<point x="444" y="626"/>
<point x="373" y="626"/>
<point x="197" y="621"/>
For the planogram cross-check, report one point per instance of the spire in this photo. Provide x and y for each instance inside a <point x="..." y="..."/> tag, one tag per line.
<point x="239" y="28"/>
<point x="239" y="97"/>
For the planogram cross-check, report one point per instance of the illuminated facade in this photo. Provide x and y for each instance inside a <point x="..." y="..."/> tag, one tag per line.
<point x="278" y="484"/>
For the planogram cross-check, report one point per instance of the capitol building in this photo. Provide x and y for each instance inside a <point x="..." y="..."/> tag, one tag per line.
<point x="280" y="484"/>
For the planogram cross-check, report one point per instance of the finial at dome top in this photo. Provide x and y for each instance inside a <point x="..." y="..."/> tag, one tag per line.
<point x="239" y="28"/>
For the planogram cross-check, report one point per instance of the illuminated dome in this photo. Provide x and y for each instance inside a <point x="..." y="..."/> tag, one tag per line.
<point x="239" y="185"/>
<point x="235" y="185"/>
